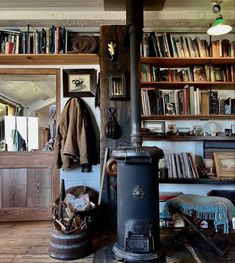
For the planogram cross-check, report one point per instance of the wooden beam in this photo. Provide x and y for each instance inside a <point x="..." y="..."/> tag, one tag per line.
<point x="25" y="214"/>
<point x="49" y="59"/>
<point x="32" y="71"/>
<point x="13" y="160"/>
<point x="120" y="5"/>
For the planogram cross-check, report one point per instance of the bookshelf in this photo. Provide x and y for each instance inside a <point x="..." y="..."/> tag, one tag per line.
<point x="170" y="64"/>
<point x="188" y="138"/>
<point x="180" y="84"/>
<point x="190" y="117"/>
<point x="196" y="181"/>
<point x="155" y="63"/>
<point x="48" y="59"/>
<point x="182" y="62"/>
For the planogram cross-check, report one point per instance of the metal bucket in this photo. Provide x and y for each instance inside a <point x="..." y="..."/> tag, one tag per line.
<point x="70" y="246"/>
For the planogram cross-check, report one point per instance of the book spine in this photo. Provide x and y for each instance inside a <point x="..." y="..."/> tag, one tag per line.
<point x="186" y="100"/>
<point x="43" y="44"/>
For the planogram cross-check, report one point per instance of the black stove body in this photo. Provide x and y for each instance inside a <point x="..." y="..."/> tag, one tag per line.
<point x="137" y="205"/>
<point x="138" y="238"/>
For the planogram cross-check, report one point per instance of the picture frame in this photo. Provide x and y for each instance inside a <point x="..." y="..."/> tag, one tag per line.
<point x="117" y="87"/>
<point x="225" y="164"/>
<point x="79" y="82"/>
<point x="155" y="127"/>
<point x="233" y="128"/>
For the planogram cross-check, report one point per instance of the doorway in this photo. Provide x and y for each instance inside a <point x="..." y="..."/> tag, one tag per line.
<point x="29" y="182"/>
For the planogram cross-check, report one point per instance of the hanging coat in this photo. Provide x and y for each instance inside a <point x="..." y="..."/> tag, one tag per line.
<point x="75" y="136"/>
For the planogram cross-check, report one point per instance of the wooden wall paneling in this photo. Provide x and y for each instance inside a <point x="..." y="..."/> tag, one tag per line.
<point x="35" y="159"/>
<point x="25" y="214"/>
<point x="14" y="187"/>
<point x="26" y="180"/>
<point x="39" y="187"/>
<point x="108" y="67"/>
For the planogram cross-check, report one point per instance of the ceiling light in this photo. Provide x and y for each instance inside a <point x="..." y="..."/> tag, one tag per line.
<point x="218" y="27"/>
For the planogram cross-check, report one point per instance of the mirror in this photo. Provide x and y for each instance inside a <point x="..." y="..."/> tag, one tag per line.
<point x="27" y="111"/>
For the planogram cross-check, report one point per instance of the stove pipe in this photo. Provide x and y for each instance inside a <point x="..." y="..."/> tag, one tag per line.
<point x="134" y="20"/>
<point x="138" y="237"/>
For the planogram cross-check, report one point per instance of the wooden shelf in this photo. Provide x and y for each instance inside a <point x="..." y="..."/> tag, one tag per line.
<point x="197" y="181"/>
<point x="190" y="117"/>
<point x="176" y="85"/>
<point x="48" y="59"/>
<point x="184" y="62"/>
<point x="153" y="137"/>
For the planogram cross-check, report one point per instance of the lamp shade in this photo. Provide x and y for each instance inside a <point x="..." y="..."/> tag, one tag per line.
<point x="219" y="28"/>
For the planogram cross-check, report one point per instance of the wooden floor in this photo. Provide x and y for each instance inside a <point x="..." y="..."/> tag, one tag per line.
<point x="27" y="242"/>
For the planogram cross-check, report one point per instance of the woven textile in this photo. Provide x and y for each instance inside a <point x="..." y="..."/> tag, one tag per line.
<point x="219" y="209"/>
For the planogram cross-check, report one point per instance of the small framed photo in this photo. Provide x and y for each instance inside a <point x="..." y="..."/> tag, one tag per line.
<point x="79" y="82"/>
<point x="155" y="127"/>
<point x="225" y="164"/>
<point x="117" y="87"/>
<point x="172" y="128"/>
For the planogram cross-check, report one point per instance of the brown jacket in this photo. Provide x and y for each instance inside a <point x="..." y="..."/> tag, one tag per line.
<point x="74" y="136"/>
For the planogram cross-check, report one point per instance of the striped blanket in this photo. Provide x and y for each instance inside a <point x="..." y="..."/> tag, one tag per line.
<point x="219" y="209"/>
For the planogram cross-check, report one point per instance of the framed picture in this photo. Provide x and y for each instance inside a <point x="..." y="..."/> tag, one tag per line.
<point x="233" y="128"/>
<point x="117" y="87"/>
<point x="224" y="164"/>
<point x="79" y="82"/>
<point x="155" y="127"/>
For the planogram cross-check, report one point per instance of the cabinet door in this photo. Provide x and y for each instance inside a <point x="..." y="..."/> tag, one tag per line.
<point x="26" y="186"/>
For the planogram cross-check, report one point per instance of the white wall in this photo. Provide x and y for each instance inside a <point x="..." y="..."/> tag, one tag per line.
<point x="75" y="177"/>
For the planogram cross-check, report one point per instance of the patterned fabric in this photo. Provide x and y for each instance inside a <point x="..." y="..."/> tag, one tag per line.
<point x="219" y="209"/>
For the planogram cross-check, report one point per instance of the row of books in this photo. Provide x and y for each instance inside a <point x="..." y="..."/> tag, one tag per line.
<point x="189" y="100"/>
<point x="51" y="41"/>
<point x="165" y="45"/>
<point x="179" y="165"/>
<point x="207" y="73"/>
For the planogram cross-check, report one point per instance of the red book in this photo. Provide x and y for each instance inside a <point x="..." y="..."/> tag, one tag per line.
<point x="9" y="48"/>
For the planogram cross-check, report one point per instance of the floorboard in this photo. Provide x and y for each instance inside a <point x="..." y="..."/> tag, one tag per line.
<point x="27" y="242"/>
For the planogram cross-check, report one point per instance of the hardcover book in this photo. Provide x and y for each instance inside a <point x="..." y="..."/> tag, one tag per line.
<point x="199" y="74"/>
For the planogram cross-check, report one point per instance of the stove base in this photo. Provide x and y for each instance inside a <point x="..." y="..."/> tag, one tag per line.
<point x="124" y="256"/>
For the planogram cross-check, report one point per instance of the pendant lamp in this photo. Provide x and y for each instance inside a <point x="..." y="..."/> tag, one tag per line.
<point x="218" y="27"/>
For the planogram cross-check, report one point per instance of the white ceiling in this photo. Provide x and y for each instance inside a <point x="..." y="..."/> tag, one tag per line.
<point x="88" y="15"/>
<point x="33" y="92"/>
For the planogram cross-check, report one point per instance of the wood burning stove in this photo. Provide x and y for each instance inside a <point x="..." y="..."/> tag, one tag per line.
<point x="137" y="205"/>
<point x="138" y="238"/>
